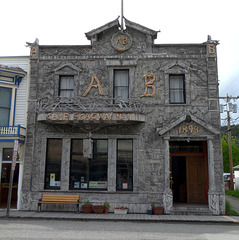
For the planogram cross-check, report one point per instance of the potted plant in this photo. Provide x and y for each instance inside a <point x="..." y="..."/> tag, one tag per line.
<point x="157" y="210"/>
<point x="121" y="210"/>
<point x="150" y="210"/>
<point x="106" y="207"/>
<point x="98" y="209"/>
<point x="87" y="207"/>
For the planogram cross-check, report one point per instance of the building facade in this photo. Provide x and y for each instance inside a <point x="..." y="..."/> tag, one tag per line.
<point x="125" y="120"/>
<point x="14" y="84"/>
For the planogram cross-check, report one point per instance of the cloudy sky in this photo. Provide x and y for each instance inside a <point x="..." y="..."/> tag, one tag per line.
<point x="180" y="21"/>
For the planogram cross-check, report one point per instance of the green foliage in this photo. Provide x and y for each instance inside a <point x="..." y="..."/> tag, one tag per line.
<point x="225" y="151"/>
<point x="234" y="129"/>
<point x="229" y="210"/>
<point x="87" y="203"/>
<point x="233" y="193"/>
<point x="106" y="205"/>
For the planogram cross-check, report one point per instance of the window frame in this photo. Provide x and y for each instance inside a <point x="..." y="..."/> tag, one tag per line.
<point x="46" y="187"/>
<point x="183" y="89"/>
<point x="11" y="156"/>
<point x="72" y="90"/>
<point x="114" y="83"/>
<point x="90" y="165"/>
<point x="132" y="165"/>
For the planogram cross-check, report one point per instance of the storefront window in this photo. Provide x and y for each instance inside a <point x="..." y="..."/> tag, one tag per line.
<point x="124" y="177"/>
<point x="89" y="173"/>
<point x="53" y="164"/>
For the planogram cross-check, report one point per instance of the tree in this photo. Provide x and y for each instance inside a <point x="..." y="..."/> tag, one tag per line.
<point x="225" y="151"/>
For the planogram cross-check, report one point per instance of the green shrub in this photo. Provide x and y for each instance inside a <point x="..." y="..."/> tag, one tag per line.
<point x="229" y="210"/>
<point x="233" y="193"/>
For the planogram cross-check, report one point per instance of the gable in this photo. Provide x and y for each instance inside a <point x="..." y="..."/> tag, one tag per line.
<point x="111" y="38"/>
<point x="188" y="126"/>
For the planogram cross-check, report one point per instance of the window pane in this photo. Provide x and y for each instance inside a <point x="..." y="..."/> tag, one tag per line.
<point x="53" y="164"/>
<point x="124" y="178"/>
<point x="8" y="153"/>
<point x="4" y="113"/>
<point x="5" y="105"/>
<point x="5" y="97"/>
<point x="177" y="89"/>
<point x="66" y="88"/>
<point x="88" y="173"/>
<point x="121" y="83"/>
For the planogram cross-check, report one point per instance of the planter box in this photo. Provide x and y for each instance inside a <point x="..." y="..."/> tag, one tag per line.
<point x="121" y="210"/>
<point x="98" y="209"/>
<point x="158" y="210"/>
<point x="86" y="209"/>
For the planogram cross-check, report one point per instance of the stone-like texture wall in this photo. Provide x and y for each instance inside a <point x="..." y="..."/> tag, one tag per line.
<point x="151" y="180"/>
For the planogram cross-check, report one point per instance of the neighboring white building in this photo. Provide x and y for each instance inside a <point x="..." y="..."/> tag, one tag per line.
<point x="236" y="173"/>
<point x="14" y="84"/>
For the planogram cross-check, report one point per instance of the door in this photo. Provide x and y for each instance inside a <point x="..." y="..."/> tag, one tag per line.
<point x="189" y="179"/>
<point x="196" y="179"/>
<point x="4" y="186"/>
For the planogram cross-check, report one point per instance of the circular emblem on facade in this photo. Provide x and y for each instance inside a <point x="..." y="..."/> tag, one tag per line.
<point x="121" y="41"/>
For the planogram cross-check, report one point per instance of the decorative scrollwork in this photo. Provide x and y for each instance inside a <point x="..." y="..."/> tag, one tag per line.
<point x="51" y="104"/>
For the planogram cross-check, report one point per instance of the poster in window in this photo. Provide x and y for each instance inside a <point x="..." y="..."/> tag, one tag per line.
<point x="52" y="179"/>
<point x="97" y="184"/>
<point x="83" y="185"/>
<point x="76" y="184"/>
<point x="124" y="185"/>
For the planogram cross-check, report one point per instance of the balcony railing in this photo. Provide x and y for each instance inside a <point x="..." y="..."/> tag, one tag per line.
<point x="17" y="131"/>
<point x="63" y="104"/>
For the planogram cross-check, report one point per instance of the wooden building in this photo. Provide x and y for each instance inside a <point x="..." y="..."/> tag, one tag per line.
<point x="14" y="85"/>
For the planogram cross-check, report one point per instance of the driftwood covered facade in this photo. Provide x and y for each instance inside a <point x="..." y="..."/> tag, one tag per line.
<point x="126" y="121"/>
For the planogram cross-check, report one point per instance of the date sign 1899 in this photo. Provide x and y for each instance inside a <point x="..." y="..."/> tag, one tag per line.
<point x="188" y="129"/>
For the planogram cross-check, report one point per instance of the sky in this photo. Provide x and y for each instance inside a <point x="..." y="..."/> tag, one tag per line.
<point x="65" y="22"/>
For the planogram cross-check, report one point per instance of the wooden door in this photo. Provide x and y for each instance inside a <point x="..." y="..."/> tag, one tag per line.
<point x="196" y="179"/>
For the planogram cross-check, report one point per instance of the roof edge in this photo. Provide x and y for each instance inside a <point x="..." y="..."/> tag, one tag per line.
<point x="96" y="31"/>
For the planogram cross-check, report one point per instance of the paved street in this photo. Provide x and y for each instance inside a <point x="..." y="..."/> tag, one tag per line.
<point x="94" y="230"/>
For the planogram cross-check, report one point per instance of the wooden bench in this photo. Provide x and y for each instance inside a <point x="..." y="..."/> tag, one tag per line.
<point x="59" y="199"/>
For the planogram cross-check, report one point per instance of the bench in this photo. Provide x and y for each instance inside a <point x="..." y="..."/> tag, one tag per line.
<point x="59" y="199"/>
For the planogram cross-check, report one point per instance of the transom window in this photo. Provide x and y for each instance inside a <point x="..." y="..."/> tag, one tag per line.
<point x="66" y="86"/>
<point x="8" y="154"/>
<point x="5" y="105"/>
<point x="121" y="83"/>
<point x="177" y="89"/>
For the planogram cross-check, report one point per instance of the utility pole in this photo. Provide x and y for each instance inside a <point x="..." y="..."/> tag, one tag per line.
<point x="229" y="138"/>
<point x="229" y="132"/>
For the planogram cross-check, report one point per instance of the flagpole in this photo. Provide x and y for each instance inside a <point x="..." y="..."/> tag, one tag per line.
<point x="122" y="14"/>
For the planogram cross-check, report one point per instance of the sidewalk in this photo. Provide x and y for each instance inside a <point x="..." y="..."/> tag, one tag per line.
<point x="117" y="217"/>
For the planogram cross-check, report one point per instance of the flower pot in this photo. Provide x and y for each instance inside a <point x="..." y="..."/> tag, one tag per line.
<point x="158" y="210"/>
<point x="150" y="211"/>
<point x="98" y="209"/>
<point x="106" y="210"/>
<point x="86" y="209"/>
<point x="120" y="210"/>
